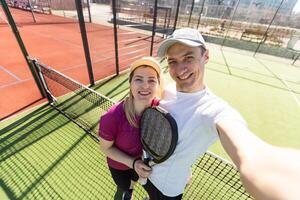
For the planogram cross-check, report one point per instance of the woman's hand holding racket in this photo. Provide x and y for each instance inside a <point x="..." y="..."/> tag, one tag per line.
<point x="159" y="135"/>
<point x="141" y="168"/>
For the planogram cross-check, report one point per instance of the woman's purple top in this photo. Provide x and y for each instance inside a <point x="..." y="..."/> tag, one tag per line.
<point x="115" y="127"/>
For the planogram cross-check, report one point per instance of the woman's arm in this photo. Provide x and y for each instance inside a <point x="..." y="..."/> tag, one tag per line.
<point x="115" y="154"/>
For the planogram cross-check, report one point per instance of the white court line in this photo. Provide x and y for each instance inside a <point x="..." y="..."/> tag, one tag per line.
<point x="14" y="83"/>
<point x="281" y="79"/>
<point x="10" y="73"/>
<point x="3" y="18"/>
<point x="291" y="92"/>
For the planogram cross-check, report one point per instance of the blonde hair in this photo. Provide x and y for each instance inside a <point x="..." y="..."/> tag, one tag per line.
<point x="129" y="104"/>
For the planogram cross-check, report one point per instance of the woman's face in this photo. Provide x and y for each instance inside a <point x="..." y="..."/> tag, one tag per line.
<point x="144" y="84"/>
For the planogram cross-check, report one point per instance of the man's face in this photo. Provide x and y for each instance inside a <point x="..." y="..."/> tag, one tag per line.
<point x="186" y="67"/>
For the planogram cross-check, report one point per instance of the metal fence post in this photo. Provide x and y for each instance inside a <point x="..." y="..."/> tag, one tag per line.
<point x="203" y="1"/>
<point x="176" y="16"/>
<point x="31" y="9"/>
<point x="89" y="10"/>
<point x="85" y="41"/>
<point x="153" y="27"/>
<point x="237" y="4"/>
<point x="115" y="35"/>
<point x="191" y="12"/>
<point x="266" y="32"/>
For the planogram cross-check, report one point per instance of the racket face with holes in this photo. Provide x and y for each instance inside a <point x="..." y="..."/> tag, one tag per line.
<point x="159" y="133"/>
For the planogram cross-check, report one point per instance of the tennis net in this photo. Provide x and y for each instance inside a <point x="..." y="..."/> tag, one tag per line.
<point x="213" y="177"/>
<point x="76" y="101"/>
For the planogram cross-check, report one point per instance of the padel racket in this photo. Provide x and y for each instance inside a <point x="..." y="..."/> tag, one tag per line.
<point x="159" y="135"/>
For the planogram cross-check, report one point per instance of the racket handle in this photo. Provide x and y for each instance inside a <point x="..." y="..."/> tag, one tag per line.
<point x="143" y="181"/>
<point x="146" y="160"/>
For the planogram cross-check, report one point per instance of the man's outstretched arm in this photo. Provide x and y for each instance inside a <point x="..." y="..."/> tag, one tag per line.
<point x="267" y="172"/>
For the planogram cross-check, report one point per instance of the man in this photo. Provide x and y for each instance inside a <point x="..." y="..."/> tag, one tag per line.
<point x="202" y="118"/>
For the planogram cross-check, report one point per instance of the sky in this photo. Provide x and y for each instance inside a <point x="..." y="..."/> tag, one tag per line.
<point x="297" y="7"/>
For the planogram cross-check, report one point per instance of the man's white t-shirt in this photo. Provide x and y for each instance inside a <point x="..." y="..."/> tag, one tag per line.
<point x="196" y="115"/>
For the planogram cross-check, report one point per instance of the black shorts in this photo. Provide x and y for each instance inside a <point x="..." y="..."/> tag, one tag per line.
<point x="123" y="178"/>
<point x="155" y="194"/>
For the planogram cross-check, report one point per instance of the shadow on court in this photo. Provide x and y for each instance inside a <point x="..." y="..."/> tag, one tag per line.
<point x="46" y="156"/>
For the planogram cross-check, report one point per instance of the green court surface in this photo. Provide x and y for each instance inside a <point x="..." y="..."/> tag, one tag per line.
<point x="46" y="156"/>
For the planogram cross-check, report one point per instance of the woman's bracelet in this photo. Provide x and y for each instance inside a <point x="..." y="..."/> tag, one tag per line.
<point x="134" y="162"/>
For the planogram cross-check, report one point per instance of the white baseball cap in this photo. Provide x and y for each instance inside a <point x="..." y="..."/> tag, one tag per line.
<point x="187" y="36"/>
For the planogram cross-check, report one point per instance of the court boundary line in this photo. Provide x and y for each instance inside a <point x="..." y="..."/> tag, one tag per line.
<point x="291" y="91"/>
<point x="282" y="80"/>
<point x="14" y="83"/>
<point x="226" y="63"/>
<point x="3" y="18"/>
<point x="10" y="73"/>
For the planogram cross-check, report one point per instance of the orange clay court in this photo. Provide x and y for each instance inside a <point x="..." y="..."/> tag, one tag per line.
<point x="56" y="41"/>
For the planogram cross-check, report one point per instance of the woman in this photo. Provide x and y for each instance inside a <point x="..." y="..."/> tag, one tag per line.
<point x="119" y="127"/>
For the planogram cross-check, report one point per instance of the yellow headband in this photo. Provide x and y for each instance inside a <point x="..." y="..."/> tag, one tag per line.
<point x="146" y="61"/>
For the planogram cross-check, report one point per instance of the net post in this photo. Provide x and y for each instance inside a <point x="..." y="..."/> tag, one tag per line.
<point x="37" y="67"/>
<point x="22" y="46"/>
<point x="85" y="41"/>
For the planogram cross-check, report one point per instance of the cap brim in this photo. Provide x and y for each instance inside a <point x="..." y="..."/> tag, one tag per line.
<point x="169" y="42"/>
